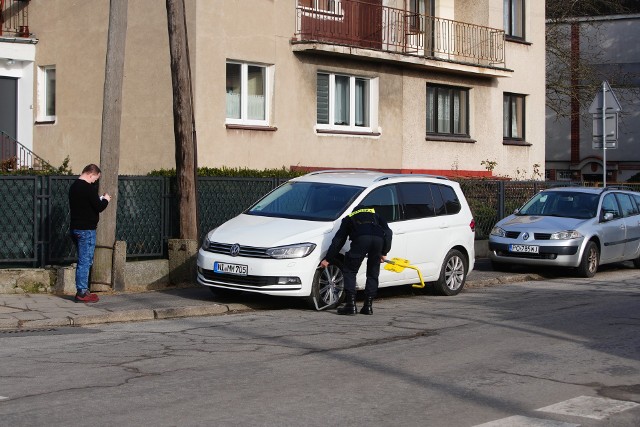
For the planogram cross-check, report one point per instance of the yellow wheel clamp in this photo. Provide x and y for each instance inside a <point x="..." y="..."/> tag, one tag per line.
<point x="397" y="265"/>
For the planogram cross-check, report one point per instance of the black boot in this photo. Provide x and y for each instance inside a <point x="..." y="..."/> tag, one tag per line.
<point x="367" y="308"/>
<point x="350" y="306"/>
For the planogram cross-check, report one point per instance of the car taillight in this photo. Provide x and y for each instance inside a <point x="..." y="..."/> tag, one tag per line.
<point x="472" y="224"/>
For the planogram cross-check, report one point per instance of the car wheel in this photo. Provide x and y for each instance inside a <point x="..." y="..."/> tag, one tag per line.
<point x="500" y="266"/>
<point x="327" y="290"/>
<point x="590" y="261"/>
<point x="453" y="274"/>
<point x="222" y="292"/>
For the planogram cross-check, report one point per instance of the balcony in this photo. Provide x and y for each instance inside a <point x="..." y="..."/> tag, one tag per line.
<point x="14" y="19"/>
<point x="375" y="32"/>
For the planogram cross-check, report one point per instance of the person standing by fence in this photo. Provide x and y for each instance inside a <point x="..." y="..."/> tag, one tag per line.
<point x="85" y="206"/>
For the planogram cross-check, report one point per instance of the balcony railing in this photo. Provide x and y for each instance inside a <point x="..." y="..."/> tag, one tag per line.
<point x="372" y="26"/>
<point x="15" y="156"/>
<point x="14" y="18"/>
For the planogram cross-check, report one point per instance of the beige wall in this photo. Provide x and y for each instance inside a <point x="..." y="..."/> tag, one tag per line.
<point x="260" y="31"/>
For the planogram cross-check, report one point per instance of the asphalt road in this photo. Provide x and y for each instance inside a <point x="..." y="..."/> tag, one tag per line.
<point x="560" y="352"/>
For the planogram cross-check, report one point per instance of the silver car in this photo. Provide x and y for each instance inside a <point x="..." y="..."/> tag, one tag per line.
<point x="570" y="227"/>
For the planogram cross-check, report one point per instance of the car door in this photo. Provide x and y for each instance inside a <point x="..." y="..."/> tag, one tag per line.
<point x="425" y="227"/>
<point x="385" y="201"/>
<point x="613" y="231"/>
<point x="632" y="224"/>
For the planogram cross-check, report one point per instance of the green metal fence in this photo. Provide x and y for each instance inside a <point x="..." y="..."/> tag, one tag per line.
<point x="34" y="211"/>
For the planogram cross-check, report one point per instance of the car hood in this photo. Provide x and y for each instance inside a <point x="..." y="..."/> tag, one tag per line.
<point x="540" y="223"/>
<point x="264" y="232"/>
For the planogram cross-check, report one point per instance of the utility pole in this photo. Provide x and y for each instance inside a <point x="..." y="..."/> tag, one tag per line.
<point x="183" y="119"/>
<point x="110" y="142"/>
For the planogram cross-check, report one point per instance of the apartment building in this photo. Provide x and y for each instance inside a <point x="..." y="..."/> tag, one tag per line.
<point x="436" y="86"/>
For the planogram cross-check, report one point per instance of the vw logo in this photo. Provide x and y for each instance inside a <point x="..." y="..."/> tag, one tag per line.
<point x="234" y="250"/>
<point x="525" y="236"/>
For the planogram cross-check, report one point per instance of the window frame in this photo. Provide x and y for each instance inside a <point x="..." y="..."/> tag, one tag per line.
<point x="371" y="103"/>
<point x="330" y="8"/>
<point x="513" y="97"/>
<point x="451" y="114"/>
<point x="244" y="81"/>
<point x="510" y="19"/>
<point x="44" y="95"/>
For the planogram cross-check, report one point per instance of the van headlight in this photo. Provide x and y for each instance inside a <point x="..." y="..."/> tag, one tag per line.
<point x="497" y="231"/>
<point x="565" y="235"/>
<point x="300" y="250"/>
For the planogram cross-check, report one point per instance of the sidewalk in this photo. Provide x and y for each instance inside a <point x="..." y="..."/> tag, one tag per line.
<point x="27" y="311"/>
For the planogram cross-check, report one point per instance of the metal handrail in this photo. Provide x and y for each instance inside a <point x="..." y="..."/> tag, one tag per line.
<point x="14" y="18"/>
<point x="15" y="156"/>
<point x="371" y="26"/>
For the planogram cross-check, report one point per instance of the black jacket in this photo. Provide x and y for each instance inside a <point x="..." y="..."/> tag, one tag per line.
<point x="85" y="205"/>
<point x="361" y="222"/>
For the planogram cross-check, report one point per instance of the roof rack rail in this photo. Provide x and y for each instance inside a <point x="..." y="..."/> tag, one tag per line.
<point x="617" y="187"/>
<point x="409" y="175"/>
<point x="341" y="171"/>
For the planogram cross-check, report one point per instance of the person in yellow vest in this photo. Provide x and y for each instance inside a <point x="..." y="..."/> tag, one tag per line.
<point x="370" y="237"/>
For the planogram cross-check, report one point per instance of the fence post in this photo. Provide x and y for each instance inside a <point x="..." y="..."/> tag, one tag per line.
<point x="501" y="198"/>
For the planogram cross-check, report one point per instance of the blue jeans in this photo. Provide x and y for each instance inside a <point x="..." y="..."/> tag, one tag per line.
<point x="85" y="241"/>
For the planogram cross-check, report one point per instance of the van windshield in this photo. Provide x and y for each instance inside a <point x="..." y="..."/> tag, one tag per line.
<point x="306" y="200"/>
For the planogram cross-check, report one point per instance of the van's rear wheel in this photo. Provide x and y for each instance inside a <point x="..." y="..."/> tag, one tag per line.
<point x="453" y="274"/>
<point x="328" y="287"/>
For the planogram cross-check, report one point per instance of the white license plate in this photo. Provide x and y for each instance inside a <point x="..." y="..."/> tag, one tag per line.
<point x="223" y="267"/>
<point x="524" y="248"/>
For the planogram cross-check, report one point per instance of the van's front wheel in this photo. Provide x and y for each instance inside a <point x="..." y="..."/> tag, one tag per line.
<point x="453" y="274"/>
<point x="327" y="290"/>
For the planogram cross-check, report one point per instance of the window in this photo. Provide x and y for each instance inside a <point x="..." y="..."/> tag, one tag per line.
<point x="514" y="18"/>
<point x="609" y="205"/>
<point x="564" y="175"/>
<point x="416" y="200"/>
<point x="447" y="110"/>
<point x="323" y="5"/>
<point x="47" y="93"/>
<point x="627" y="204"/>
<point x="345" y="102"/>
<point x="247" y="94"/>
<point x="385" y="202"/>
<point x="451" y="201"/>
<point x="513" y="116"/>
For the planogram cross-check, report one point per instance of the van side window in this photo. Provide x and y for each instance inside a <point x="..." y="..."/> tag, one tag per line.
<point x="451" y="201"/>
<point x="385" y="202"/>
<point x="417" y="201"/>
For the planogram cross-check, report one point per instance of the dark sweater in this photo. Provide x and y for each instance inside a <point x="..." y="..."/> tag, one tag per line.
<point x="85" y="205"/>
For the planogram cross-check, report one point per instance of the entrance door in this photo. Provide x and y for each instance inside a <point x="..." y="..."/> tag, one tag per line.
<point x="419" y="27"/>
<point x="8" y="117"/>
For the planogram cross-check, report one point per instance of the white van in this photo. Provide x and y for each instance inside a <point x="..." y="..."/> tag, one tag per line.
<point x="275" y="247"/>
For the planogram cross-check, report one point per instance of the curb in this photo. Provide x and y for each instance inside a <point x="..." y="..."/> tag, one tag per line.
<point x="126" y="316"/>
<point x="147" y="314"/>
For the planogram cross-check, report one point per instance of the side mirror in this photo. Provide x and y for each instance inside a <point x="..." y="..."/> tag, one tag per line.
<point x="516" y="211"/>
<point x="608" y="216"/>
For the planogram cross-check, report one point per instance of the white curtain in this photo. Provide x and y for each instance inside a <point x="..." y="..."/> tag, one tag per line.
<point x="341" y="116"/>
